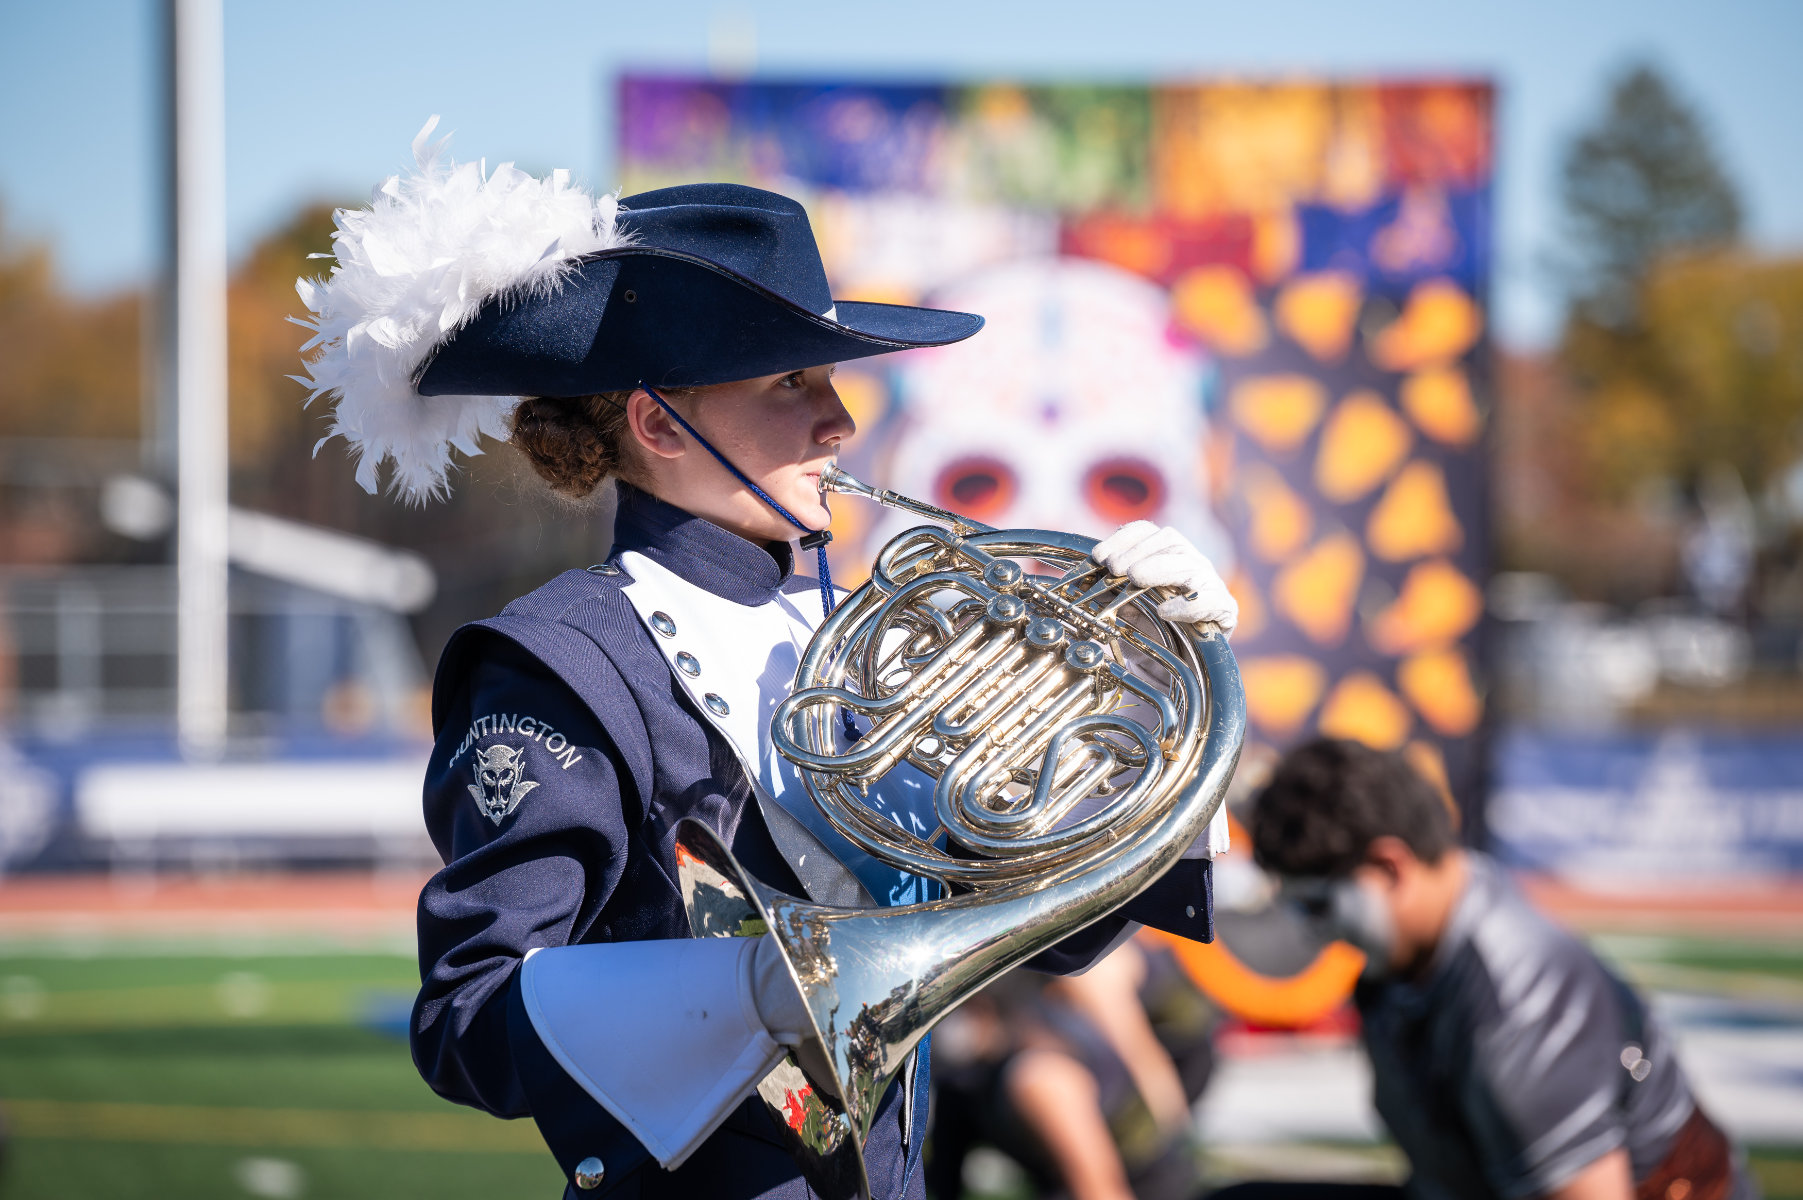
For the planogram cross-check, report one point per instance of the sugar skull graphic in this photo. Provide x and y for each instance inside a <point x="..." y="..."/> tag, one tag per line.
<point x="501" y="781"/>
<point x="1078" y="408"/>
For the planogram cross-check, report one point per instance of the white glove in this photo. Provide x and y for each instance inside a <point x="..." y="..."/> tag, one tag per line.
<point x="1150" y="556"/>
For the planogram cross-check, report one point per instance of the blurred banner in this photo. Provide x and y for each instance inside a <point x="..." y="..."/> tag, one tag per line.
<point x="1650" y="809"/>
<point x="1256" y="312"/>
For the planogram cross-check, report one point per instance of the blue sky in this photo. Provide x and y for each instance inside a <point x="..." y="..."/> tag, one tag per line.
<point x="323" y="97"/>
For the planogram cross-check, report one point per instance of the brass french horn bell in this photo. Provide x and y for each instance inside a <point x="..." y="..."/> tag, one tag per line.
<point x="1079" y="745"/>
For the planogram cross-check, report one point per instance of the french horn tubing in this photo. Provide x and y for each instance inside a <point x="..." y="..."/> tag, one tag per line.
<point x="1078" y="745"/>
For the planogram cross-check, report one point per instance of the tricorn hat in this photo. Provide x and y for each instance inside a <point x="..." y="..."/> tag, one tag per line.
<point x="715" y="282"/>
<point x="459" y="291"/>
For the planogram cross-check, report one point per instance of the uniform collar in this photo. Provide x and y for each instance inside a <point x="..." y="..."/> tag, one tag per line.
<point x="700" y="551"/>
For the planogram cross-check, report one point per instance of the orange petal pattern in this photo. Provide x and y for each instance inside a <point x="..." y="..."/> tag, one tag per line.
<point x="1438" y="684"/>
<point x="1437" y="605"/>
<point x="1317" y="590"/>
<point x="1439" y="401"/>
<point x="1278" y="411"/>
<point x="1281" y="691"/>
<point x="1361" y="444"/>
<point x="1362" y="709"/>
<point x="1216" y="304"/>
<point x="1439" y="323"/>
<point x="1318" y="311"/>
<point x="1280" y="521"/>
<point x="1414" y="518"/>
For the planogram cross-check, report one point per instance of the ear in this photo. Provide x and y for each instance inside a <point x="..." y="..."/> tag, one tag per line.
<point x="652" y="428"/>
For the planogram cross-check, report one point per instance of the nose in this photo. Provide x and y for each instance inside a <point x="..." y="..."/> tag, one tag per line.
<point x="834" y="422"/>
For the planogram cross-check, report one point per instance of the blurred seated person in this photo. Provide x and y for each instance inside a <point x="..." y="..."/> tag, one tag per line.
<point x="1508" y="1062"/>
<point x="1183" y="1018"/>
<point x="1068" y="1077"/>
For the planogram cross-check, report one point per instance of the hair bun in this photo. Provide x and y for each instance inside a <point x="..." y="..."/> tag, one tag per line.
<point x="573" y="444"/>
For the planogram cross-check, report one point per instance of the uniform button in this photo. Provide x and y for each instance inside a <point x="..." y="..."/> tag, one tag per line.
<point x="688" y="664"/>
<point x="719" y="706"/>
<point x="605" y="568"/>
<point x="661" y="622"/>
<point x="589" y="1173"/>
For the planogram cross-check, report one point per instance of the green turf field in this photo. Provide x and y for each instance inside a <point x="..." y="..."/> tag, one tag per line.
<point x="205" y="1075"/>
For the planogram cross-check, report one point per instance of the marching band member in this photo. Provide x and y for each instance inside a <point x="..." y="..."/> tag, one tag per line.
<point x="680" y="344"/>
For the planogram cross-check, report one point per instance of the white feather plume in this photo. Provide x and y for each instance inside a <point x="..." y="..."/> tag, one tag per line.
<point x="413" y="267"/>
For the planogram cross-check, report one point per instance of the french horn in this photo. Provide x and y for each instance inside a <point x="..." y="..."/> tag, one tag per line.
<point x="1079" y="745"/>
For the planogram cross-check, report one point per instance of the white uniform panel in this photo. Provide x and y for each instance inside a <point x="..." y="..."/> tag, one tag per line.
<point x="663" y="1034"/>
<point x="738" y="662"/>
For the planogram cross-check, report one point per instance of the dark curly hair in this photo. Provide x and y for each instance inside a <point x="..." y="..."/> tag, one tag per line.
<point x="1328" y="800"/>
<point x="576" y="444"/>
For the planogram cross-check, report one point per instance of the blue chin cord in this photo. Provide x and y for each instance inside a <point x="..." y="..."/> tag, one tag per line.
<point x="811" y="539"/>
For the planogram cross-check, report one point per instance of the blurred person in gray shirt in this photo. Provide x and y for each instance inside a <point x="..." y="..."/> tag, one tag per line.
<point x="1508" y="1061"/>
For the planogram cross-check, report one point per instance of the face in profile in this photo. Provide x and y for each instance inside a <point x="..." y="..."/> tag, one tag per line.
<point x="781" y="431"/>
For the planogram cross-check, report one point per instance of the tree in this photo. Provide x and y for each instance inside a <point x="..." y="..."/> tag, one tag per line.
<point x="1639" y="184"/>
<point x="1678" y="367"/>
<point x="1675" y="339"/>
<point x="1725" y="336"/>
<point x="268" y="421"/>
<point x="71" y="365"/>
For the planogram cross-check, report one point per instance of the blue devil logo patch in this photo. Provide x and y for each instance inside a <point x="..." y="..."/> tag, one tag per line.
<point x="501" y="781"/>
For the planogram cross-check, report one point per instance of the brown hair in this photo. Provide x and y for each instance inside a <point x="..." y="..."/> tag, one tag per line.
<point x="1329" y="799"/>
<point x="574" y="444"/>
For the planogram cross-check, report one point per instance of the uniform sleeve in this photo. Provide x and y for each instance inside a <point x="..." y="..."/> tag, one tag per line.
<point x="524" y="801"/>
<point x="1542" y="1099"/>
<point x="1181" y="901"/>
<point x="530" y="829"/>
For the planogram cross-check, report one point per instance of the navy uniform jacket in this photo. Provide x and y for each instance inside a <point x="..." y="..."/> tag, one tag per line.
<point x="565" y="755"/>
